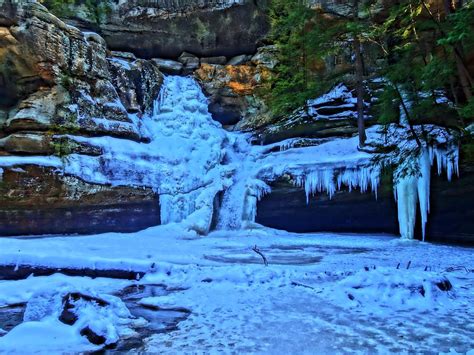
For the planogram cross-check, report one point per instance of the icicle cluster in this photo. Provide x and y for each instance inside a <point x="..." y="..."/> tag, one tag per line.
<point x="330" y="180"/>
<point x="412" y="190"/>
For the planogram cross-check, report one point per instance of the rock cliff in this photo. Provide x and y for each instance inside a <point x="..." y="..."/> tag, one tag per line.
<point x="55" y="81"/>
<point x="166" y="28"/>
<point x="63" y="87"/>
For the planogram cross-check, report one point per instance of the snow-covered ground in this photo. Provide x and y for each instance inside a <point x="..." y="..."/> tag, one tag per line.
<point x="319" y="293"/>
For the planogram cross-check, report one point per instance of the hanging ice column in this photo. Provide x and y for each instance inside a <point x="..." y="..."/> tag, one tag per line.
<point x="412" y="189"/>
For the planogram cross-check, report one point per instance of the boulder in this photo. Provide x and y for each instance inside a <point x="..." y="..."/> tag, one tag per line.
<point x="137" y="83"/>
<point x="123" y="55"/>
<point x="168" y="66"/>
<point x="240" y="59"/>
<point x="37" y="111"/>
<point x="266" y="57"/>
<point x="27" y="143"/>
<point x="190" y="62"/>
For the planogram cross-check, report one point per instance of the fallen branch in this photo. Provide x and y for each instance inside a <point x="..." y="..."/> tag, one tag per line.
<point x="294" y="283"/>
<point x="459" y="268"/>
<point x="255" y="249"/>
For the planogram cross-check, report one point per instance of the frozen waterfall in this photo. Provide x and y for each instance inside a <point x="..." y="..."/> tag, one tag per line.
<point x="206" y="176"/>
<point x="182" y="161"/>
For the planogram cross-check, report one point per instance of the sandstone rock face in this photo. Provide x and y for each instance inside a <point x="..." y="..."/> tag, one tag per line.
<point x="56" y="81"/>
<point x="62" y="79"/>
<point x="233" y="92"/>
<point x="165" y="29"/>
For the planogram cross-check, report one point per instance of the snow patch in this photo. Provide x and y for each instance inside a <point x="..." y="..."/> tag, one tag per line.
<point x="386" y="289"/>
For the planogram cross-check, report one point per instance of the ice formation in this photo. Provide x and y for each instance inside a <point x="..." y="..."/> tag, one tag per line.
<point x="412" y="189"/>
<point x="330" y="180"/>
<point x="42" y="331"/>
<point x="182" y="162"/>
<point x="207" y="177"/>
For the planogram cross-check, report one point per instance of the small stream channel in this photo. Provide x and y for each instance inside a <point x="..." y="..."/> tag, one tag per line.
<point x="159" y="320"/>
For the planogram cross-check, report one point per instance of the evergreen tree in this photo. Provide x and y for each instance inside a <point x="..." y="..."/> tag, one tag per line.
<point x="290" y="85"/>
<point x="305" y="39"/>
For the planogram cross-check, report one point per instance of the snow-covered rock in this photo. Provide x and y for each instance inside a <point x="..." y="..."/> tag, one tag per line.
<point x="79" y="319"/>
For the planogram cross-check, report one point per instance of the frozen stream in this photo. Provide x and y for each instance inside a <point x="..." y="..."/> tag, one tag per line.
<point x="319" y="293"/>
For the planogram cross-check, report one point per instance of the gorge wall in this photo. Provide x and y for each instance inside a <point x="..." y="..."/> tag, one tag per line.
<point x="56" y="80"/>
<point x="352" y="212"/>
<point x="69" y="97"/>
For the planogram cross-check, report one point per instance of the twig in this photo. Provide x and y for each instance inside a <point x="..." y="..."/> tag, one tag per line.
<point x="255" y="249"/>
<point x="294" y="283"/>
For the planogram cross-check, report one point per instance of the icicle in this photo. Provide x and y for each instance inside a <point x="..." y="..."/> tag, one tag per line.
<point x="329" y="180"/>
<point x="448" y="160"/>
<point x="423" y="186"/>
<point x="406" y="202"/>
<point x="409" y="190"/>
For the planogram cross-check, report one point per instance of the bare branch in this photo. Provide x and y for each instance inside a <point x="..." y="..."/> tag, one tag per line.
<point x="255" y="249"/>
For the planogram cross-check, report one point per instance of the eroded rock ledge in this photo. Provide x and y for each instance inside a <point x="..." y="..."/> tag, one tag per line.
<point x="55" y="82"/>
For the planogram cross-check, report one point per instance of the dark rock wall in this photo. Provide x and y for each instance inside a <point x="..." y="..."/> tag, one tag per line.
<point x="451" y="218"/>
<point x="38" y="200"/>
<point x="165" y="30"/>
<point x="41" y="220"/>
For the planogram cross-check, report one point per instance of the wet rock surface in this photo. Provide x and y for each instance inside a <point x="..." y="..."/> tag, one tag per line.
<point x="159" y="320"/>
<point x="10" y="317"/>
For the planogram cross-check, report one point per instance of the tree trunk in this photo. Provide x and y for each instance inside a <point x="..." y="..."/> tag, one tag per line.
<point x="464" y="78"/>
<point x="359" y="66"/>
<point x="463" y="74"/>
